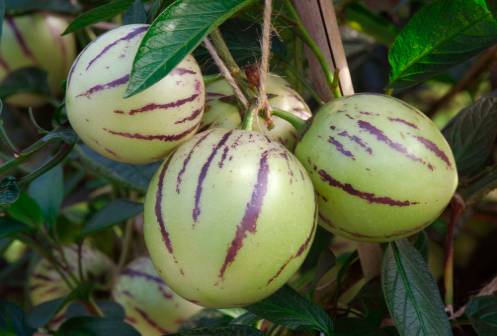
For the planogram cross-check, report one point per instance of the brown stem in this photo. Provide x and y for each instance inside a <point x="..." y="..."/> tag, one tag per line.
<point x="226" y="73"/>
<point x="483" y="63"/>
<point x="457" y="208"/>
<point x="318" y="17"/>
<point x="489" y="289"/>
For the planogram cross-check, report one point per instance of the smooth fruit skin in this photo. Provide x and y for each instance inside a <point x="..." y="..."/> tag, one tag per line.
<point x="140" y="129"/>
<point x="150" y="306"/>
<point x="229" y="218"/>
<point x="224" y="114"/>
<point x="34" y="40"/>
<point x="381" y="169"/>
<point x="45" y="283"/>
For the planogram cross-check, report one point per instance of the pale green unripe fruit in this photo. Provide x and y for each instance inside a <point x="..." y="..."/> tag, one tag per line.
<point x="151" y="307"/>
<point x="224" y="114"/>
<point x="381" y="169"/>
<point x="46" y="284"/>
<point x="140" y="129"/>
<point x="229" y="218"/>
<point x="35" y="41"/>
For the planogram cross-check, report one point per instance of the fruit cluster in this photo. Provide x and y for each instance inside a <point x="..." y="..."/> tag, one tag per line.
<point x="231" y="214"/>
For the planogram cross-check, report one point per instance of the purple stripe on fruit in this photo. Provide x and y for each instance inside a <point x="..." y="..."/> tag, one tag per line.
<point x="203" y="173"/>
<point x="402" y="121"/>
<point x="20" y="39"/>
<point x="179" y="179"/>
<point x="434" y="148"/>
<point x="134" y="273"/>
<point x="149" y="137"/>
<point x="369" y="197"/>
<point x="252" y="212"/>
<point x="398" y="147"/>
<point x="158" y="208"/>
<point x="100" y="87"/>
<point x="339" y="147"/>
<point x="357" y="140"/>
<point x="127" y="37"/>
<point x="154" y="106"/>
<point x="191" y="117"/>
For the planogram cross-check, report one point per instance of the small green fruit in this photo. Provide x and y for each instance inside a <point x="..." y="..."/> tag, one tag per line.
<point x="229" y="218"/>
<point x="381" y="169"/>
<point x="150" y="306"/>
<point x="35" y="40"/>
<point x="144" y="127"/>
<point x="224" y="114"/>
<point x="45" y="283"/>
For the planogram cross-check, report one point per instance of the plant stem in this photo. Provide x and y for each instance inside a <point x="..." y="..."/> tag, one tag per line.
<point x="93" y="308"/>
<point x="128" y="234"/>
<point x="309" y="41"/>
<point x="223" y="69"/>
<point x="248" y="119"/>
<point x="226" y="56"/>
<point x="299" y="124"/>
<point x="5" y="137"/>
<point x="80" y="261"/>
<point x="457" y="208"/>
<point x="64" y="150"/>
<point x="40" y="249"/>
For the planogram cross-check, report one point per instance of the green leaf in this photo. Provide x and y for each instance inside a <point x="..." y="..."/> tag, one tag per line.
<point x="9" y="191"/>
<point x="42" y="314"/>
<point x="357" y="327"/>
<point x="422" y="244"/>
<point x="115" y="212"/>
<point x="48" y="191"/>
<point x="289" y="308"/>
<point x="13" y="321"/>
<point x="239" y="330"/>
<point x="363" y="20"/>
<point x="26" y="211"/>
<point x="95" y="326"/>
<point x="482" y="312"/>
<point x="411" y="293"/>
<point x="206" y="318"/>
<point x="62" y="6"/>
<point x="136" y="13"/>
<point x="246" y="319"/>
<point x="176" y="32"/>
<point x="132" y="176"/>
<point x="25" y="80"/>
<point x="440" y="35"/>
<point x="10" y="227"/>
<point x="98" y="14"/>
<point x="2" y="14"/>
<point x="471" y="135"/>
<point x="480" y="187"/>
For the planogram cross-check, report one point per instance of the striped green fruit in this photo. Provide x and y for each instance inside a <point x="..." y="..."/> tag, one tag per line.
<point x="223" y="113"/>
<point x="150" y="306"/>
<point x="140" y="129"/>
<point x="35" y="41"/>
<point x="46" y="284"/>
<point x="229" y="218"/>
<point x="381" y="169"/>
